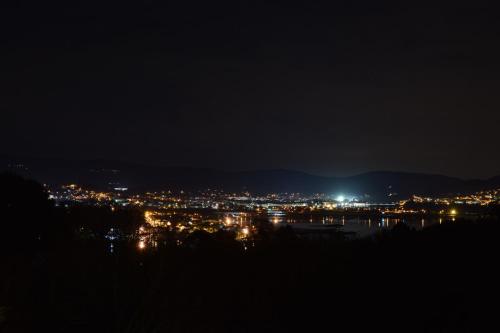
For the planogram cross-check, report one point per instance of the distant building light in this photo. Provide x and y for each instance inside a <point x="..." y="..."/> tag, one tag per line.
<point x="122" y="189"/>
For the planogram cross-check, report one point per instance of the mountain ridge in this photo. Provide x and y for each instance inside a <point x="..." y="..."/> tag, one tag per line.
<point x="374" y="185"/>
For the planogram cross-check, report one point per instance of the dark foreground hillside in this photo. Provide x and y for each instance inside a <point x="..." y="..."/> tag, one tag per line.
<point x="443" y="279"/>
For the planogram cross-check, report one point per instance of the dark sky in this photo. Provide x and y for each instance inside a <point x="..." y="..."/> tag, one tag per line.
<point x="333" y="88"/>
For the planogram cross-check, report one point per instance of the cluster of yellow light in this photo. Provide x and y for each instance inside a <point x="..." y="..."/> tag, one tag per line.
<point x="482" y="198"/>
<point x="330" y="206"/>
<point x="79" y="194"/>
<point x="401" y="211"/>
<point x="152" y="220"/>
<point x="243" y="233"/>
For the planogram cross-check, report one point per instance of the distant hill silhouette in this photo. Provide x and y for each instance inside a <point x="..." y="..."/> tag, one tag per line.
<point x="101" y="174"/>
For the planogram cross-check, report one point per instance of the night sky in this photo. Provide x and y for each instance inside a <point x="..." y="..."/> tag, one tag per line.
<point x="331" y="88"/>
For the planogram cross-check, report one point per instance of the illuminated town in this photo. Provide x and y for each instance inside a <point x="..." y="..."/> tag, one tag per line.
<point x="179" y="214"/>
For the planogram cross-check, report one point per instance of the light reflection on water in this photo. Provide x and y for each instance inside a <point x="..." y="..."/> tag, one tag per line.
<point x="357" y="227"/>
<point x="360" y="226"/>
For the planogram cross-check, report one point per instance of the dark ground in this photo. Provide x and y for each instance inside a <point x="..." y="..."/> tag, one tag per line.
<point x="443" y="279"/>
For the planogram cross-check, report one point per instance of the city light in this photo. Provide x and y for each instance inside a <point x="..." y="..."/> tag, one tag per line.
<point x="152" y="219"/>
<point x="184" y="213"/>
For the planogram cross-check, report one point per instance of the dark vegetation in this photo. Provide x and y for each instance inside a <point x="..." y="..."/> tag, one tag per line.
<point x="441" y="279"/>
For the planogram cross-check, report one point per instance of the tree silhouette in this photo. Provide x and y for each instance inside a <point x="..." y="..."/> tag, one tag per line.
<point x="26" y="211"/>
